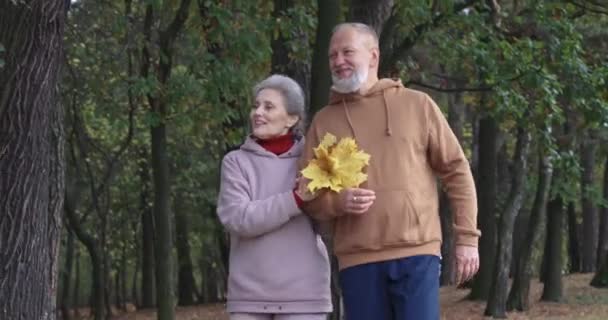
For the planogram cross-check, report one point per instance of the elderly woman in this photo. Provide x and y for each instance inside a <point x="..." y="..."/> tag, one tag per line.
<point x="279" y="268"/>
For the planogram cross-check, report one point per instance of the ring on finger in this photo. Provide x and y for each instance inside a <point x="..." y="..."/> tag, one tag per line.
<point x="355" y="198"/>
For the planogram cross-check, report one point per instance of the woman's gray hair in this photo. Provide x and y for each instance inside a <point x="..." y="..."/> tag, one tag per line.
<point x="293" y="96"/>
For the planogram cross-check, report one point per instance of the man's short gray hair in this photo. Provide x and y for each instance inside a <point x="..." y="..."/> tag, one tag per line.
<point x="293" y="96"/>
<point x="362" y="28"/>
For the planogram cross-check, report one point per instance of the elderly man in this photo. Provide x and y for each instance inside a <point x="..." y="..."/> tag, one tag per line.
<point x="387" y="233"/>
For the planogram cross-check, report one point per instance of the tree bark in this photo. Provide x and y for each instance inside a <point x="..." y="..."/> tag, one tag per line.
<point x="590" y="214"/>
<point x="280" y="60"/>
<point x="497" y="303"/>
<point x="554" y="262"/>
<point x="519" y="296"/>
<point x="320" y="76"/>
<point x="163" y="221"/>
<point x="148" y="284"/>
<point x="31" y="157"/>
<point x="186" y="283"/>
<point x="602" y="249"/>
<point x="574" y="251"/>
<point x="600" y="280"/>
<point x="374" y="13"/>
<point x="486" y="188"/>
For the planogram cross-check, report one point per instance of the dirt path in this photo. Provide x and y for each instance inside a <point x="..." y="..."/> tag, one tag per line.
<point x="581" y="302"/>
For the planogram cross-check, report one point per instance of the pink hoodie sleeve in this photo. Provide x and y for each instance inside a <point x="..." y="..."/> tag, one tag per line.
<point x="246" y="217"/>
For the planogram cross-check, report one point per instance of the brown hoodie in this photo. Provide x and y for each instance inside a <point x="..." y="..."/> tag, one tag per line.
<point x="410" y="144"/>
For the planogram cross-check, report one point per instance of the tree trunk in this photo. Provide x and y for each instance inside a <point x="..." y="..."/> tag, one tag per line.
<point x="600" y="280"/>
<point x="97" y="302"/>
<point x="320" y="76"/>
<point x="486" y="189"/>
<point x="519" y="296"/>
<point x="497" y="302"/>
<point x="186" y="283"/>
<point x="66" y="276"/>
<point x="573" y="239"/>
<point x="590" y="214"/>
<point x="148" y="284"/>
<point x="553" y="288"/>
<point x="373" y="13"/>
<point x="602" y="249"/>
<point x="31" y="157"/>
<point x="162" y="222"/>
<point x="281" y="61"/>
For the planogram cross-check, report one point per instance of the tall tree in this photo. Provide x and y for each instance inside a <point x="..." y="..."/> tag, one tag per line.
<point x="497" y="302"/>
<point x="158" y="103"/>
<point x="590" y="212"/>
<point x="320" y="80"/>
<point x="554" y="260"/>
<point x="31" y="157"/>
<point x="374" y="13"/>
<point x="486" y="186"/>
<point x="602" y="249"/>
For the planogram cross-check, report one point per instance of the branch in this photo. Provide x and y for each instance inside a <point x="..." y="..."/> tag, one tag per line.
<point x="441" y="89"/>
<point x="401" y="51"/>
<point x="597" y="10"/>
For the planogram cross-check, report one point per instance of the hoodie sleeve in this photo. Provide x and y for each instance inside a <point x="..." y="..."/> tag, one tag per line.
<point x="451" y="165"/>
<point x="326" y="205"/>
<point x="245" y="217"/>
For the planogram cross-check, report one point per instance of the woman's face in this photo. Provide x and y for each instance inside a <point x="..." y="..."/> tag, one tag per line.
<point x="269" y="117"/>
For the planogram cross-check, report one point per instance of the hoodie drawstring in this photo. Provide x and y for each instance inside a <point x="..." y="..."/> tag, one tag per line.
<point x="387" y="116"/>
<point x="389" y="132"/>
<point x="350" y="122"/>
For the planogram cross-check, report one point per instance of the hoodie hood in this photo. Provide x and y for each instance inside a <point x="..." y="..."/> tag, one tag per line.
<point x="378" y="88"/>
<point x="251" y="145"/>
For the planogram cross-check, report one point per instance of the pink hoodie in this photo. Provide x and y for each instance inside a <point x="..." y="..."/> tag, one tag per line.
<point x="278" y="264"/>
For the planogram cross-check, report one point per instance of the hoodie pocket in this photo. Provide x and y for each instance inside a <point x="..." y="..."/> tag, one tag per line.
<point x="411" y="223"/>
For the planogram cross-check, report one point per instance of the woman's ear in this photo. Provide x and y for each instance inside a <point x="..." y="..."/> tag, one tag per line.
<point x="292" y="120"/>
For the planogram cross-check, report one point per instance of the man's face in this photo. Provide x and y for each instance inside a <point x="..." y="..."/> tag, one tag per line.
<point x="350" y="58"/>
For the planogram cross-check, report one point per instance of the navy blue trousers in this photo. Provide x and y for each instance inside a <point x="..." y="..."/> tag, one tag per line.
<point x="401" y="289"/>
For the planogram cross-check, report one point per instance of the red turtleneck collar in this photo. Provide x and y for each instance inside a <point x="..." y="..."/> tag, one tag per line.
<point x="278" y="145"/>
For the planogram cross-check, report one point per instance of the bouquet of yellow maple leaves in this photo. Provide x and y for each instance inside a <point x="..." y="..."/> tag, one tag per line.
<point x="336" y="165"/>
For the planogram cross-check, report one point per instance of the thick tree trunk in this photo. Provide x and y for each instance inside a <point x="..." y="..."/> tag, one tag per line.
<point x="602" y="249"/>
<point x="519" y="296"/>
<point x="373" y="13"/>
<point x="148" y="284"/>
<point x="320" y="76"/>
<point x="554" y="261"/>
<point x="486" y="189"/>
<point x="497" y="303"/>
<point x="590" y="214"/>
<point x="186" y="283"/>
<point x="574" y="251"/>
<point x="31" y="157"/>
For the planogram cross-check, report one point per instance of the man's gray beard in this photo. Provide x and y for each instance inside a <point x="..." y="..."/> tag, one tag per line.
<point x="351" y="84"/>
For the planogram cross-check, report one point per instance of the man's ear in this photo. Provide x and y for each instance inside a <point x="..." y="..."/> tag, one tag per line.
<point x="375" y="60"/>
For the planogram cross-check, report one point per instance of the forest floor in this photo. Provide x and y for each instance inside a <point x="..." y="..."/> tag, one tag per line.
<point x="581" y="301"/>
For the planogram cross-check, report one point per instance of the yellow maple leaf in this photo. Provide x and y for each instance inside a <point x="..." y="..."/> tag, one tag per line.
<point x="336" y="165"/>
